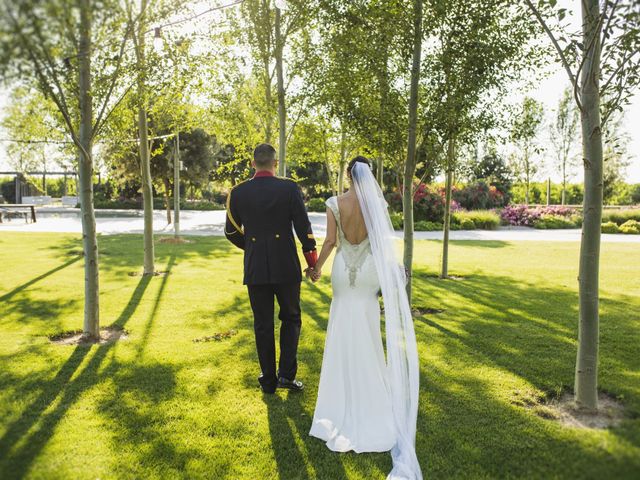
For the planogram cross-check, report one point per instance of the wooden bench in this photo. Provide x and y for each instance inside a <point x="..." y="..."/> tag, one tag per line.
<point x="10" y="209"/>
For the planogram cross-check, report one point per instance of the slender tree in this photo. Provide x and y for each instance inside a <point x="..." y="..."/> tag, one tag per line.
<point x="60" y="59"/>
<point x="143" y="141"/>
<point x="563" y="134"/>
<point x="471" y="58"/>
<point x="525" y="130"/>
<point x="602" y="84"/>
<point x="410" y="164"/>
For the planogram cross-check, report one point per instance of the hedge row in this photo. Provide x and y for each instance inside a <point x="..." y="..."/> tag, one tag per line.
<point x="461" y="220"/>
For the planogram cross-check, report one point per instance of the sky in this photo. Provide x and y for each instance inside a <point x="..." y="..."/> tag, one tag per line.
<point x="547" y="91"/>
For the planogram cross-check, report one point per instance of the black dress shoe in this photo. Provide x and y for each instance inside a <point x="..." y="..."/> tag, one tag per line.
<point x="294" y="385"/>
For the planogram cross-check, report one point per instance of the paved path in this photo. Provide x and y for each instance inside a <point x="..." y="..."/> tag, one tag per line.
<point x="192" y="222"/>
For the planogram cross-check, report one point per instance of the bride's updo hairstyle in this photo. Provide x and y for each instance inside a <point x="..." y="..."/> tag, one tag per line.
<point x="358" y="159"/>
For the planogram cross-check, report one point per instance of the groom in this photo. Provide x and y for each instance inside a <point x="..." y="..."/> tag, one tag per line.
<point x="260" y="212"/>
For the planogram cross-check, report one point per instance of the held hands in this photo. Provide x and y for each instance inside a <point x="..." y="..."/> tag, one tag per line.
<point x="313" y="274"/>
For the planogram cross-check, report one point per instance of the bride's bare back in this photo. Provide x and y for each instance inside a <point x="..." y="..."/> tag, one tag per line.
<point x="351" y="219"/>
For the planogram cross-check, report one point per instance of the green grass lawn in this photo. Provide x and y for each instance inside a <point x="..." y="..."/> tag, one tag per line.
<point x="159" y="405"/>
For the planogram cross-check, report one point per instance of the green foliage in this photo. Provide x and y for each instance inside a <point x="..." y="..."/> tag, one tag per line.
<point x="426" y="226"/>
<point x="548" y="222"/>
<point x="610" y="227"/>
<point x="493" y="170"/>
<point x="630" y="227"/>
<point x="396" y="220"/>
<point x="538" y="193"/>
<point x="158" y="204"/>
<point x="482" y="219"/>
<point x="467" y="224"/>
<point x="621" y="216"/>
<point x="316" y="205"/>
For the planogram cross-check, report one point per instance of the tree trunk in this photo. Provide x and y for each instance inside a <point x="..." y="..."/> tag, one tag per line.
<point x="564" y="183"/>
<point x="586" y="375"/>
<point x="327" y="164"/>
<point x="282" y="113"/>
<point x="176" y="188"/>
<point x="85" y="170"/>
<point x="380" y="172"/>
<point x="343" y="160"/>
<point x="526" y="188"/>
<point x="145" y="168"/>
<point x="167" y="202"/>
<point x="410" y="165"/>
<point x="447" y="207"/>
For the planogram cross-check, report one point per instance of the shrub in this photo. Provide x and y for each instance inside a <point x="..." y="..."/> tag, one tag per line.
<point x="630" y="227"/>
<point x="519" y="215"/>
<point x="610" y="227"/>
<point x="428" y="203"/>
<point x="621" y="216"/>
<point x="316" y="205"/>
<point x="202" y="205"/>
<point x="426" y="226"/>
<point x="478" y="195"/>
<point x="525" y="216"/>
<point x="482" y="219"/>
<point x="553" y="222"/>
<point x="396" y="220"/>
<point x="467" y="224"/>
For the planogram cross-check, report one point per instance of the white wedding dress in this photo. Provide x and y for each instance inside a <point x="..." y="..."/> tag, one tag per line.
<point x="367" y="404"/>
<point x="353" y="410"/>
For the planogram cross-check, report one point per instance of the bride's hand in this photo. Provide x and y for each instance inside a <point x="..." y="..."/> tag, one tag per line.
<point x="315" y="275"/>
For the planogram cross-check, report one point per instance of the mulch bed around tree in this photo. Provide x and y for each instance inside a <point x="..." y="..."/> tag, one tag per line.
<point x="76" y="337"/>
<point x="564" y="410"/>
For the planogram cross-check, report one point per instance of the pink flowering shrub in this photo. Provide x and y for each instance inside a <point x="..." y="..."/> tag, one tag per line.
<point x="524" y="216"/>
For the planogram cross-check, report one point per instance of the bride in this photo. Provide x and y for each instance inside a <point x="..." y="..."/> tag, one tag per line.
<point x="367" y="404"/>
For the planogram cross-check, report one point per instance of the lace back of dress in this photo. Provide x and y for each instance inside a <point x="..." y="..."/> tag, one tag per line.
<point x="354" y="255"/>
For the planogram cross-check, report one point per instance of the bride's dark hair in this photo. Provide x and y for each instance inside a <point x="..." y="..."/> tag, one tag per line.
<point x="358" y="159"/>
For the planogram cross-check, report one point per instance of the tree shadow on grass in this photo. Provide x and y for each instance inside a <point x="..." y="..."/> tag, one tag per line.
<point x="134" y="404"/>
<point x="530" y="331"/>
<point x="125" y="250"/>
<point x="509" y="322"/>
<point x="45" y="315"/>
<point x="7" y="296"/>
<point x="466" y="431"/>
<point x="27" y="436"/>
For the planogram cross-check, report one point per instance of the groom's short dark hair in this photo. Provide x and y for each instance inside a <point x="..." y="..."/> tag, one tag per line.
<point x="264" y="155"/>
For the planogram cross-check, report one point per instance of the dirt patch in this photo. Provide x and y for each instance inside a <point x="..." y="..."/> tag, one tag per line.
<point x="77" y="337"/>
<point x="564" y="410"/>
<point x="174" y="240"/>
<point x="216" y="337"/>
<point x="157" y="273"/>
<point x="457" y="278"/>
<point x="420" y="311"/>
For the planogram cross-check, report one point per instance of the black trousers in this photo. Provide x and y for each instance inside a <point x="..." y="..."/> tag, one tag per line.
<point x="262" y="304"/>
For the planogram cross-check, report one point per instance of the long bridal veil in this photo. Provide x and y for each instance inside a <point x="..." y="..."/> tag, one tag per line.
<point x="402" y="354"/>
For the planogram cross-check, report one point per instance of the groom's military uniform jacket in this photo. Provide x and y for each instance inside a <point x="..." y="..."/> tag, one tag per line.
<point x="260" y="212"/>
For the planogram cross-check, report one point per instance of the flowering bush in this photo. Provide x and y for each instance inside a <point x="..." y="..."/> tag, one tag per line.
<point x="478" y="196"/>
<point x="519" y="215"/>
<point x="524" y="216"/>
